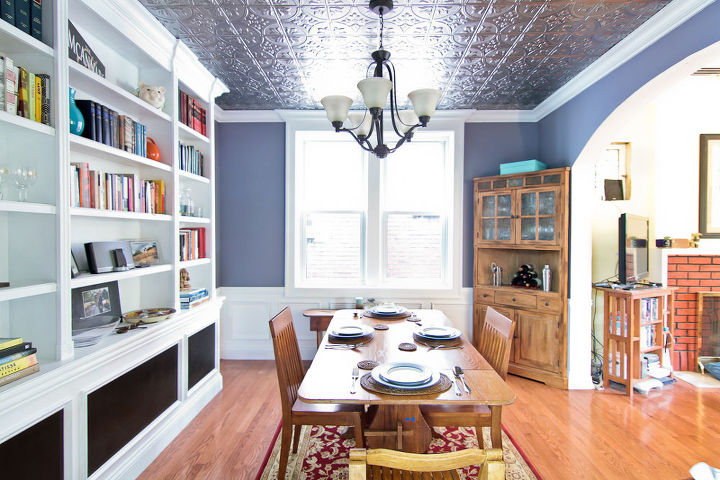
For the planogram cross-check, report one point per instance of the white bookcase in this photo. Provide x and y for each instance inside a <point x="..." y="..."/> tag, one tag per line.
<point x="36" y="237"/>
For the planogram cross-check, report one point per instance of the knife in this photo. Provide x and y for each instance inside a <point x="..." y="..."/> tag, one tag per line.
<point x="457" y="387"/>
<point x="461" y="376"/>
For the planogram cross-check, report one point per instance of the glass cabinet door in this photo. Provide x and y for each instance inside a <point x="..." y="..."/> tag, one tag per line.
<point x="494" y="212"/>
<point x="539" y="216"/>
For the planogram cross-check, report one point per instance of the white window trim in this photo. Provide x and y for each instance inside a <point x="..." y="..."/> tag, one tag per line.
<point x="296" y="120"/>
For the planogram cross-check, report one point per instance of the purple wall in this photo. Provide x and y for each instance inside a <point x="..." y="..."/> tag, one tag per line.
<point x="250" y="171"/>
<point x="564" y="132"/>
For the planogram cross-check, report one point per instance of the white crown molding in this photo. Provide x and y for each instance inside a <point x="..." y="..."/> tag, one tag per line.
<point x="246" y="116"/>
<point x="502" y="116"/>
<point x="467" y="116"/>
<point x="652" y="30"/>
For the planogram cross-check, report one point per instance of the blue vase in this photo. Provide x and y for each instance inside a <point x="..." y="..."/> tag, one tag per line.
<point x="77" y="122"/>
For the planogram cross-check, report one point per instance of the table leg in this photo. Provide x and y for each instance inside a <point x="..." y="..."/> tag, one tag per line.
<point x="318" y="336"/>
<point x="496" y="425"/>
<point x="389" y="421"/>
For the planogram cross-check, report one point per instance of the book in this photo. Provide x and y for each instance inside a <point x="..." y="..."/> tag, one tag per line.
<point x="17" y="356"/>
<point x="22" y="95"/>
<point x="19" y="374"/>
<point x="106" y="133"/>
<point x="31" y="96"/>
<point x="45" y="101"/>
<point x="15" y="349"/>
<point x="22" y="15"/>
<point x="38" y="98"/>
<point x="2" y="81"/>
<point x="36" y="19"/>
<point x="9" y="342"/>
<point x="12" y="367"/>
<point x="7" y="10"/>
<point x="83" y="184"/>
<point x="87" y="108"/>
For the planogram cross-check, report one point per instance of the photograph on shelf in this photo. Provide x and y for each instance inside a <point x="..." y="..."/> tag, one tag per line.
<point x="96" y="312"/>
<point x="74" y="270"/>
<point x="145" y="253"/>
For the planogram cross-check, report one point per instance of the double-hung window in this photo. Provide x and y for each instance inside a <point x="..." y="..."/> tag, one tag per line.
<point x="361" y="223"/>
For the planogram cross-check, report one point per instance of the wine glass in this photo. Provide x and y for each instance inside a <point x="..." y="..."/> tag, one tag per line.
<point x="25" y="178"/>
<point x="4" y="175"/>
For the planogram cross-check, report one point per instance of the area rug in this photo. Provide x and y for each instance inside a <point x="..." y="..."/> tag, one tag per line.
<point x="323" y="454"/>
<point x="698" y="379"/>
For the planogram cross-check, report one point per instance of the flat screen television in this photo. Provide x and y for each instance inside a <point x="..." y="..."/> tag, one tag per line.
<point x="633" y="248"/>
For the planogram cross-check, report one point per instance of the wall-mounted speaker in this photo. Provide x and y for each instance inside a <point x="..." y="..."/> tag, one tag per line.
<point x="613" y="190"/>
<point x="106" y="257"/>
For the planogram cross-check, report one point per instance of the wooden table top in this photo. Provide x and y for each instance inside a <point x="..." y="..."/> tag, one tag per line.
<point x="329" y="377"/>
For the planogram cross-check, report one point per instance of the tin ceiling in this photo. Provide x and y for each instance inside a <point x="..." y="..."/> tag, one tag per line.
<point x="492" y="54"/>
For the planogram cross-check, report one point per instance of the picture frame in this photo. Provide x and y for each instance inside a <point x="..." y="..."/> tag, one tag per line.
<point x="145" y="253"/>
<point x="95" y="306"/>
<point x="709" y="221"/>
<point x="74" y="270"/>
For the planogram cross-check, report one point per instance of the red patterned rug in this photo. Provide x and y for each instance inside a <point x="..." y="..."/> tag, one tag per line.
<point x="323" y="454"/>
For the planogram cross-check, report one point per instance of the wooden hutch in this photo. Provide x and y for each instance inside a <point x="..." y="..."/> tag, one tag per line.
<point x="523" y="219"/>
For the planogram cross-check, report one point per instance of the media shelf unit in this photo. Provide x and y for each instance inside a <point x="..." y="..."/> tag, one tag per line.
<point x="623" y="323"/>
<point x="168" y="371"/>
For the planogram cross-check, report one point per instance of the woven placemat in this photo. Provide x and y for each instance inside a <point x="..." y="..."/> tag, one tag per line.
<point x="367" y="364"/>
<point x="400" y="316"/>
<point x="455" y="342"/>
<point x="369" y="384"/>
<point x="407" y="347"/>
<point x="351" y="341"/>
<point x="380" y="326"/>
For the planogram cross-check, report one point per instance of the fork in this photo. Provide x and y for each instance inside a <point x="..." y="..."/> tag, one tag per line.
<point x="355" y="375"/>
<point x="444" y="347"/>
<point x="343" y="346"/>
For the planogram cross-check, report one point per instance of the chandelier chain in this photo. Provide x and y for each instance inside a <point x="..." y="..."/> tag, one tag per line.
<point x="382" y="26"/>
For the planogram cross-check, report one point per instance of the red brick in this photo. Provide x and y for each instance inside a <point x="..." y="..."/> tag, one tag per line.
<point x="677" y="275"/>
<point x="685" y="340"/>
<point x="680" y="333"/>
<point x="677" y="259"/>
<point x="680" y="318"/>
<point x="685" y="296"/>
<point x="699" y="275"/>
<point x="684" y="325"/>
<point x="685" y="311"/>
<point x="716" y="260"/>
<point x="672" y="268"/>
<point x="680" y="347"/>
<point x="709" y="268"/>
<point x="710" y="283"/>
<point x="691" y="283"/>
<point x="688" y="268"/>
<point x="715" y="275"/>
<point x="699" y="260"/>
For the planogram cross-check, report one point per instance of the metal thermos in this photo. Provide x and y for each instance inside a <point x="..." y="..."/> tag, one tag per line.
<point x="497" y="272"/>
<point x="546" y="274"/>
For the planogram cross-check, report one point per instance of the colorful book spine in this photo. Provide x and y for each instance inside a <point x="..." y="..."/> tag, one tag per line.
<point x="36" y="19"/>
<point x="31" y="96"/>
<point x="21" y="347"/>
<point x="19" y="374"/>
<point x="22" y="15"/>
<point x="7" y="10"/>
<point x="22" y="89"/>
<point x="2" y="82"/>
<point x="9" y="342"/>
<point x="12" y="367"/>
<point x="38" y="98"/>
<point x="17" y="356"/>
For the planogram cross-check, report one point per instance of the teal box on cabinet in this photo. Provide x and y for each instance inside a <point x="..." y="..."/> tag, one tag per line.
<point x="522" y="167"/>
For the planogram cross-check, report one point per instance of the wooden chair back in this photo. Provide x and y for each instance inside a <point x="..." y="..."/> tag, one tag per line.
<point x="496" y="339"/>
<point x="384" y="464"/>
<point x="288" y="363"/>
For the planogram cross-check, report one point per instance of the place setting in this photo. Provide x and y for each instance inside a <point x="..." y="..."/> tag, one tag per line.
<point x="388" y="311"/>
<point x="404" y="378"/>
<point x="349" y="337"/>
<point x="438" y="337"/>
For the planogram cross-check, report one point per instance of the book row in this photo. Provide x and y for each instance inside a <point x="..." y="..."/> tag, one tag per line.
<point x="192" y="243"/>
<point x="193" y="298"/>
<point x="23" y="14"/>
<point x="192" y="114"/>
<point x="649" y="309"/>
<point x="115" y="191"/>
<point x="105" y="125"/>
<point x="18" y="359"/>
<point x="24" y="93"/>
<point x="648" y="336"/>
<point x="191" y="159"/>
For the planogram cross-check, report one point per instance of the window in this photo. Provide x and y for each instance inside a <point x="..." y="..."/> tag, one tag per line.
<point x="359" y="222"/>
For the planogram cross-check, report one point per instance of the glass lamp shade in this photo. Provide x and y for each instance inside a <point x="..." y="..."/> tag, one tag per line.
<point x="361" y="120"/>
<point x="424" y="101"/>
<point x="336" y="107"/>
<point x="408" y="119"/>
<point x="375" y="91"/>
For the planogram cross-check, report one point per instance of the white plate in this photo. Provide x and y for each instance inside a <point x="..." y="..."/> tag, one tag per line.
<point x="388" y="310"/>
<point x="405" y="374"/>
<point x="439" y="333"/>
<point x="375" y="374"/>
<point x="351" y="331"/>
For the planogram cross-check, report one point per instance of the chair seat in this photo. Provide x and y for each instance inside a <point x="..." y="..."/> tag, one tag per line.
<point x="339" y="411"/>
<point x="455" y="416"/>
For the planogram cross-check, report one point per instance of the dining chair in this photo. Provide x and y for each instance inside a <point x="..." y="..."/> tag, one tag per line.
<point x="377" y="464"/>
<point x="494" y="345"/>
<point x="297" y="413"/>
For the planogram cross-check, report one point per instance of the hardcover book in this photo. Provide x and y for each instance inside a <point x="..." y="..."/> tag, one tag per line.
<point x="106" y="133"/>
<point x="22" y="96"/>
<point x="87" y="108"/>
<point x="7" y="10"/>
<point x="31" y="96"/>
<point x="19" y="374"/>
<point x="38" y="98"/>
<point x="21" y="347"/>
<point x="17" y="356"/>
<point x="12" y="367"/>
<point x="36" y="19"/>
<point x="22" y="15"/>
<point x="9" y="342"/>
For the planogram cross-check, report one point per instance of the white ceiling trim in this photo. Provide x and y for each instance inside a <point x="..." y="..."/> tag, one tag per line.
<point x="655" y="28"/>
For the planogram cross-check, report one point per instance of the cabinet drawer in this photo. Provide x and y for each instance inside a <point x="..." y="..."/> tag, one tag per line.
<point x="484" y="295"/>
<point x="549" y="303"/>
<point x="516" y="299"/>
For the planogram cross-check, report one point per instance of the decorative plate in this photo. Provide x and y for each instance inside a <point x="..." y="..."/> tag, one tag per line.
<point x="439" y="333"/>
<point x="148" y="315"/>
<point x="375" y="374"/>
<point x="351" y="331"/>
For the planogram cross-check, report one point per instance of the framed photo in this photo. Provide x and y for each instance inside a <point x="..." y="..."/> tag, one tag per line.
<point x="74" y="270"/>
<point x="709" y="224"/>
<point x="145" y="253"/>
<point x="95" y="306"/>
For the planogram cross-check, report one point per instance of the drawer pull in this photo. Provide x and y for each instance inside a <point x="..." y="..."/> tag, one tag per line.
<point x="513" y="299"/>
<point x="485" y="295"/>
<point x="547" y="304"/>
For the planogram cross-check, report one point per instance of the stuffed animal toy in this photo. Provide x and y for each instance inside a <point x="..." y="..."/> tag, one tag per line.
<point x="153" y="95"/>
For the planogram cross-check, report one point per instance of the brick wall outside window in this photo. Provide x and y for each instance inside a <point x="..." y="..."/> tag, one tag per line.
<point x="691" y="274"/>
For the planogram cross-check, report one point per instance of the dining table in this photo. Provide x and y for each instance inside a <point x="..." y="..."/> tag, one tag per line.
<point x="395" y="421"/>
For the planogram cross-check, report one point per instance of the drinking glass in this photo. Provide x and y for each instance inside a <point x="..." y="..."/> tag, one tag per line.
<point x="25" y="178"/>
<point x="4" y="175"/>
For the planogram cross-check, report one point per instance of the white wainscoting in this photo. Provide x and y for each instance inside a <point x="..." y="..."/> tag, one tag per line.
<point x="245" y="334"/>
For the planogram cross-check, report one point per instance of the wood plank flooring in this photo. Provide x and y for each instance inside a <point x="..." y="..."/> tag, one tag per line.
<point x="565" y="434"/>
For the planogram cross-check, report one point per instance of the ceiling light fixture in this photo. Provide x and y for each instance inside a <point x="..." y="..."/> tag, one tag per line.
<point x="375" y="91"/>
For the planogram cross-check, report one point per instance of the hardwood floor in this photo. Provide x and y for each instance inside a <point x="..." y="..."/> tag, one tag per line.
<point x="565" y="434"/>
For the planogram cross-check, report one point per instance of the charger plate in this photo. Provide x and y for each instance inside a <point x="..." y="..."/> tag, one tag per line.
<point x="371" y="385"/>
<point x="451" y="342"/>
<point x="351" y="340"/>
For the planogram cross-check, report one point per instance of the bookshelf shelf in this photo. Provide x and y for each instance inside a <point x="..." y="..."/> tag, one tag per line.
<point x="108" y="93"/>
<point x="114" y="214"/>
<point x="14" y="40"/>
<point x="25" y="207"/>
<point x="87" y="279"/>
<point x="194" y="220"/>
<point x="193" y="177"/>
<point x="25" y="122"/>
<point x="91" y="147"/>
<point x="193" y="263"/>
<point x="187" y="134"/>
<point x="27" y="290"/>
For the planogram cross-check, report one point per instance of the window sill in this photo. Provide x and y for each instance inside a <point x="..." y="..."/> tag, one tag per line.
<point x="381" y="294"/>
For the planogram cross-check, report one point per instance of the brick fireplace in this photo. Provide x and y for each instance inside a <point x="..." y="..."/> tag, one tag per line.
<point x="691" y="273"/>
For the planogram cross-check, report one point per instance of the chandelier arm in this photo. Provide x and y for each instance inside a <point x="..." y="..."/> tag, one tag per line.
<point x="359" y="142"/>
<point x="393" y="100"/>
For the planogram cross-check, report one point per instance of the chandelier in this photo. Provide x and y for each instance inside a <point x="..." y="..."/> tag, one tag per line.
<point x="375" y="91"/>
